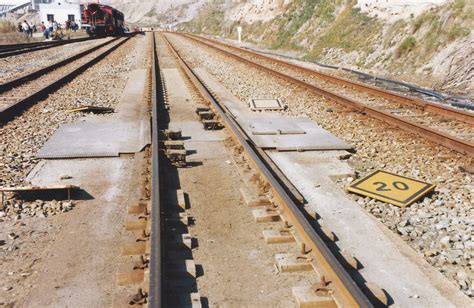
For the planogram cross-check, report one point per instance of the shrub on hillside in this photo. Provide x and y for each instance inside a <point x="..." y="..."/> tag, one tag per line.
<point x="406" y="46"/>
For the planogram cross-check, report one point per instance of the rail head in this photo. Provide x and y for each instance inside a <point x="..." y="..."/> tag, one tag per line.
<point x="155" y="287"/>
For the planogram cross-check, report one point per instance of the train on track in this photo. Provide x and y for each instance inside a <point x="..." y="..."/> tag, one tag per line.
<point x="101" y="20"/>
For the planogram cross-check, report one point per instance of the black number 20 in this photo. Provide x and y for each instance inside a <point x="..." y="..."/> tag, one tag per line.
<point x="398" y="185"/>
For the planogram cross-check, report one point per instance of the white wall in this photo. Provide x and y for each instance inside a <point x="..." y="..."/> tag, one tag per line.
<point x="60" y="10"/>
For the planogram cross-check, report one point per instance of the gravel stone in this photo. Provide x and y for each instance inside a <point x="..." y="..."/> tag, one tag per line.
<point x="427" y="225"/>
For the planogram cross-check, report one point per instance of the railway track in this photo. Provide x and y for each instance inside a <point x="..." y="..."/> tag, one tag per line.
<point x="342" y="288"/>
<point x="10" y="50"/>
<point x="16" y="95"/>
<point x="446" y="126"/>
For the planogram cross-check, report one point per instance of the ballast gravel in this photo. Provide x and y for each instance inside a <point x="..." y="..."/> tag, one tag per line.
<point x="29" y="229"/>
<point x="440" y="227"/>
<point x="21" y="138"/>
<point x="19" y="65"/>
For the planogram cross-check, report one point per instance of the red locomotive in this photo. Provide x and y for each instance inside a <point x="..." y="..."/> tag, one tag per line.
<point x="100" y="19"/>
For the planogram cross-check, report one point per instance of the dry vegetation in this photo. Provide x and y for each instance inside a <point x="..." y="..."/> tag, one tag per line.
<point x="337" y="32"/>
<point x="7" y="26"/>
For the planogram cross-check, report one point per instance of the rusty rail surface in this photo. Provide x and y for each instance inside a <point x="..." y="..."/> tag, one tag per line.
<point x="446" y="111"/>
<point x="155" y="295"/>
<point x="18" y="49"/>
<point x="446" y="140"/>
<point x="346" y="292"/>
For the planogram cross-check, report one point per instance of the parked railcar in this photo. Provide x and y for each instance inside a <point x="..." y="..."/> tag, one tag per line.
<point x="102" y="20"/>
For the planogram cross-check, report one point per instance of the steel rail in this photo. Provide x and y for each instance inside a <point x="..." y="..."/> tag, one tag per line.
<point x="38" y="73"/>
<point x="155" y="291"/>
<point x="446" y="140"/>
<point x="346" y="291"/>
<point x="17" y="49"/>
<point x="405" y="100"/>
<point x="11" y="111"/>
<point x="9" y="47"/>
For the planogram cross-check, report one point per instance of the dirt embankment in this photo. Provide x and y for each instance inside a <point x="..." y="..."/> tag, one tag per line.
<point x="429" y="43"/>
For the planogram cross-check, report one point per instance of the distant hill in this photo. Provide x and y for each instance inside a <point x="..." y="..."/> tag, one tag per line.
<point x="158" y="12"/>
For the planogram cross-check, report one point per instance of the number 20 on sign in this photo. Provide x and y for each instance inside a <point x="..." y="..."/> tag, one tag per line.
<point x="391" y="188"/>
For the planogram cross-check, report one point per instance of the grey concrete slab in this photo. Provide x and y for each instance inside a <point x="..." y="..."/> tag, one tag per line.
<point x="85" y="139"/>
<point x="272" y="126"/>
<point x="388" y="261"/>
<point x="274" y="131"/>
<point x="129" y="106"/>
<point x="125" y="131"/>
<point x="263" y="104"/>
<point x="315" y="140"/>
<point x="83" y="172"/>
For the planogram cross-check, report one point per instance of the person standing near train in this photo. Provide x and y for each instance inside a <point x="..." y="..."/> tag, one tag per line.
<point x="44" y="30"/>
<point x="27" y="29"/>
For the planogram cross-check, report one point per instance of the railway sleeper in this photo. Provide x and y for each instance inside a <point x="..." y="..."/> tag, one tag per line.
<point x="136" y="223"/>
<point x="212" y="124"/>
<point x="141" y="208"/>
<point x="206" y="115"/>
<point x="173" y="134"/>
<point x="278" y="236"/>
<point x="251" y="199"/>
<point x="265" y="214"/>
<point x="202" y="109"/>
<point x="173" y="144"/>
<point x="131" y="277"/>
<point x="177" y="157"/>
<point x="137" y="248"/>
<point x="307" y="297"/>
<point x="288" y="262"/>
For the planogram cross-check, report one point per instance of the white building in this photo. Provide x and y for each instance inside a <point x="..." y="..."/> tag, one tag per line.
<point x="35" y="3"/>
<point x="60" y="11"/>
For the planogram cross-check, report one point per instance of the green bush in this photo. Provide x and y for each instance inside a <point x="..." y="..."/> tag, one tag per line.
<point x="454" y="32"/>
<point x="406" y="46"/>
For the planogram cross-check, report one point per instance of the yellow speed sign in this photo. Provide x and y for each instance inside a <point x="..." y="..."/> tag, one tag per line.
<point x="391" y="188"/>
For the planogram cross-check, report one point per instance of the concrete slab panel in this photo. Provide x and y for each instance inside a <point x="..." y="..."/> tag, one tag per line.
<point x="258" y="104"/>
<point x="86" y="139"/>
<point x="129" y="106"/>
<point x="388" y="261"/>
<point x="274" y="131"/>
<point x="290" y="134"/>
<point x="48" y="172"/>
<point x="272" y="126"/>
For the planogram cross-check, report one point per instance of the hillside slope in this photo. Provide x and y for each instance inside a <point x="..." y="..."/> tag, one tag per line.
<point x="429" y="43"/>
<point x="157" y="12"/>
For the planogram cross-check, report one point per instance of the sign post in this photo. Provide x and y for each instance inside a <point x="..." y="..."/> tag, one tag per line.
<point x="239" y="33"/>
